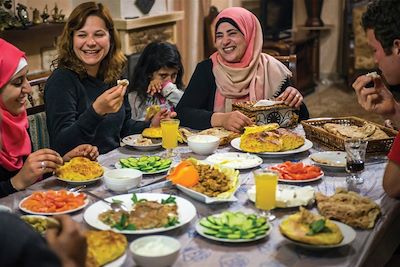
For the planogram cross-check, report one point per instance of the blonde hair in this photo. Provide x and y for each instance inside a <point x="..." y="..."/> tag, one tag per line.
<point x="112" y="66"/>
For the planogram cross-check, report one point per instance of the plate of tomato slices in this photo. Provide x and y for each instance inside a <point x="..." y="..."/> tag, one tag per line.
<point x="53" y="202"/>
<point x="297" y="172"/>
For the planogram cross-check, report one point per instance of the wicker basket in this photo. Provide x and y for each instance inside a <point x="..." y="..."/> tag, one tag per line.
<point x="315" y="132"/>
<point x="281" y="113"/>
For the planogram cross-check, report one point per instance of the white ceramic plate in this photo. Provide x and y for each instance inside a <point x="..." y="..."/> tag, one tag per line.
<point x="117" y="262"/>
<point x="301" y="181"/>
<point x="235" y="160"/>
<point x="186" y="212"/>
<point x="80" y="182"/>
<point x="348" y="236"/>
<point x="118" y="166"/>
<point x="42" y="217"/>
<point x="298" y="181"/>
<point x="4" y="208"/>
<point x="206" y="199"/>
<point x="307" y="145"/>
<point x="200" y="229"/>
<point x="54" y="213"/>
<point x="129" y="141"/>
<point x="288" y="196"/>
<point x="330" y="159"/>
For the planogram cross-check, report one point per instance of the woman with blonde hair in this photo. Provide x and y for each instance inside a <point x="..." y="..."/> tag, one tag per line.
<point x="83" y="102"/>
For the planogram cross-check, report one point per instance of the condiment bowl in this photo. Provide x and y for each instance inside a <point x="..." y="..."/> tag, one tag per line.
<point x="121" y="180"/>
<point x="203" y="144"/>
<point x="155" y="251"/>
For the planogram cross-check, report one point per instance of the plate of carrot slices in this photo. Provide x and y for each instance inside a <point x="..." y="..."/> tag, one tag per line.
<point x="53" y="202"/>
<point x="297" y="172"/>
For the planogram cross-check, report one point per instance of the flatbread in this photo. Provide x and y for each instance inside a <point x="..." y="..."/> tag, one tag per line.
<point x="349" y="208"/>
<point x="367" y="131"/>
<point x="104" y="247"/>
<point x="225" y="136"/>
<point x="123" y="82"/>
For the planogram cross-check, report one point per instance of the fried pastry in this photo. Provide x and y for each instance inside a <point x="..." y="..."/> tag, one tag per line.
<point x="104" y="247"/>
<point x="80" y="169"/>
<point x="349" y="207"/>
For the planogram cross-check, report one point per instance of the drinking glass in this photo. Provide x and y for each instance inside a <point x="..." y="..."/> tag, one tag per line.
<point x="266" y="183"/>
<point x="355" y="157"/>
<point x="169" y="128"/>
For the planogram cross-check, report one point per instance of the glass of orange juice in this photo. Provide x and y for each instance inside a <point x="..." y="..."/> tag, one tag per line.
<point x="169" y="129"/>
<point x="266" y="184"/>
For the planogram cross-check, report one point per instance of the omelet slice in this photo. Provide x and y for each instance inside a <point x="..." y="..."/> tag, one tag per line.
<point x="104" y="247"/>
<point x="297" y="228"/>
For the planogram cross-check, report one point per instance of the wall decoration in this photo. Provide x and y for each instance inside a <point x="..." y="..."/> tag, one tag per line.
<point x="144" y="5"/>
<point x="48" y="54"/>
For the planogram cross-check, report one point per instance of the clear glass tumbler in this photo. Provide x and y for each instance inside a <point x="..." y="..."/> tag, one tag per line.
<point x="266" y="185"/>
<point x="355" y="157"/>
<point x="169" y="128"/>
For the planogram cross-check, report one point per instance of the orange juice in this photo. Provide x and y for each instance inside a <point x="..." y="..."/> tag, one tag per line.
<point x="169" y="128"/>
<point x="266" y="182"/>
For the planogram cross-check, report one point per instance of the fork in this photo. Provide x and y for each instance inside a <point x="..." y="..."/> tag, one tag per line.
<point x="115" y="206"/>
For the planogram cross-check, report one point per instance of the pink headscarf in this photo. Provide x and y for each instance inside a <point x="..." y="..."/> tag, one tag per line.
<point x="257" y="75"/>
<point x="16" y="143"/>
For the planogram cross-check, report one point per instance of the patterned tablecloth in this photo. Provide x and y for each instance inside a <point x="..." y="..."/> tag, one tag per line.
<point x="370" y="248"/>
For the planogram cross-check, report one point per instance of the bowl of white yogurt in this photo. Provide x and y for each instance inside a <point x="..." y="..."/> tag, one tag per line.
<point x="155" y="250"/>
<point x="203" y="144"/>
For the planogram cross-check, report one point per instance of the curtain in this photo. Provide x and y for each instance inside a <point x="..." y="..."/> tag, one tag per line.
<point x="190" y="32"/>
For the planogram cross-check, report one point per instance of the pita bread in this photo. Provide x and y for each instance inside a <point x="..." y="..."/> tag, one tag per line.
<point x="349" y="208"/>
<point x="123" y="82"/>
<point x="225" y="136"/>
<point x="366" y="131"/>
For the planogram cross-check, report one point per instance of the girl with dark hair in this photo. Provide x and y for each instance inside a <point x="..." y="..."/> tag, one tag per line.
<point x="156" y="81"/>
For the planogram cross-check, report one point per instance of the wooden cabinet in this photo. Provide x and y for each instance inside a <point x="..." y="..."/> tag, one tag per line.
<point x="307" y="67"/>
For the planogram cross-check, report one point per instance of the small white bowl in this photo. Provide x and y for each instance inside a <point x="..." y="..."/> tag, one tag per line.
<point x="203" y="144"/>
<point x="121" y="180"/>
<point x="155" y="250"/>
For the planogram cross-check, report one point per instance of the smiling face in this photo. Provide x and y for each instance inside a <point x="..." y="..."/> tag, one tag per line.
<point x="91" y="44"/>
<point x="165" y="74"/>
<point x="230" y="42"/>
<point x="14" y="94"/>
<point x="388" y="64"/>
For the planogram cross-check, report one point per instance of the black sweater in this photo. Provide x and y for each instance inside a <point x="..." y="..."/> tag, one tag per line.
<point x="197" y="103"/>
<point x="21" y="246"/>
<point x="71" y="119"/>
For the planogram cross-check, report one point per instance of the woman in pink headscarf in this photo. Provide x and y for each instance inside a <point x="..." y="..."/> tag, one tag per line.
<point x="237" y="72"/>
<point x="19" y="167"/>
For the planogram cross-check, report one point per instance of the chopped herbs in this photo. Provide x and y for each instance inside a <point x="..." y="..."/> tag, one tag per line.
<point x="123" y="223"/>
<point x="136" y="200"/>
<point x="169" y="200"/>
<point x="318" y="227"/>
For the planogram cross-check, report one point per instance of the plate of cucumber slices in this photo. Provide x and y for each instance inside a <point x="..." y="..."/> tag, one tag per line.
<point x="145" y="164"/>
<point x="234" y="227"/>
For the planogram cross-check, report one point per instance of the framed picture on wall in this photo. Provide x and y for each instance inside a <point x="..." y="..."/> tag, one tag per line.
<point x="48" y="54"/>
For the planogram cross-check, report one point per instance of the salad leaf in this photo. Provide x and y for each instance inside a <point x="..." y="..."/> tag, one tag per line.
<point x="318" y="226"/>
<point x="169" y="200"/>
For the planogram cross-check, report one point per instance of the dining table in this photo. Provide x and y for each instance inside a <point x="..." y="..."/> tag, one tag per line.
<point x="372" y="247"/>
